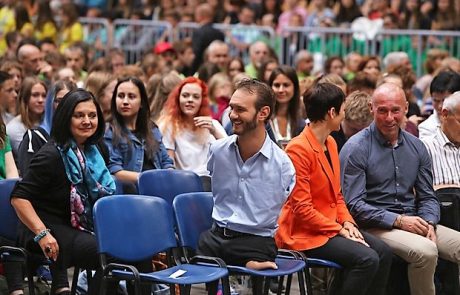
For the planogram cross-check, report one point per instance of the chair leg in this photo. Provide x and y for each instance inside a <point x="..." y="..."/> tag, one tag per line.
<point x="103" y="285"/>
<point x="257" y="285"/>
<point x="226" y="286"/>
<point x="172" y="289"/>
<point x="288" y="285"/>
<point x="280" y="285"/>
<point x="30" y="280"/>
<point x="301" y="283"/>
<point x="266" y="284"/>
<point x="308" y="281"/>
<point x="184" y="289"/>
<point x="76" y="272"/>
<point x="212" y="287"/>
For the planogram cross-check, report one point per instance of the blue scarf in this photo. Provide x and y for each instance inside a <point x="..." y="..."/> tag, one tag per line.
<point x="90" y="180"/>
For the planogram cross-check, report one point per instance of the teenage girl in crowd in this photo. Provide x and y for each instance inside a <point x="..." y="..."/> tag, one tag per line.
<point x="188" y="127"/>
<point x="133" y="140"/>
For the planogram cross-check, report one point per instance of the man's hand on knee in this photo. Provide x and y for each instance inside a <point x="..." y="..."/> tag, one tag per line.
<point x="414" y="224"/>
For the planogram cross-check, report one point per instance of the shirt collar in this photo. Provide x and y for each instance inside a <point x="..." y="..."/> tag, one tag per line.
<point x="266" y="149"/>
<point x="442" y="138"/>
<point x="382" y="140"/>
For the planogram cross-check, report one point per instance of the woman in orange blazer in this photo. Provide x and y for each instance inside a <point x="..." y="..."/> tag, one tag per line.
<point x="315" y="219"/>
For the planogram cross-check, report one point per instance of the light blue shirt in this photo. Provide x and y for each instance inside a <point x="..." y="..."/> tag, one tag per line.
<point x="248" y="196"/>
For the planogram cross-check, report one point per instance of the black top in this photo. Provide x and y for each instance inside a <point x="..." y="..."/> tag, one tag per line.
<point x="46" y="186"/>
<point x="340" y="138"/>
<point x="29" y="146"/>
<point x="201" y="39"/>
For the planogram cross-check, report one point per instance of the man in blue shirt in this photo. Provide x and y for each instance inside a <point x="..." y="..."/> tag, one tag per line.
<point x="388" y="186"/>
<point x="251" y="179"/>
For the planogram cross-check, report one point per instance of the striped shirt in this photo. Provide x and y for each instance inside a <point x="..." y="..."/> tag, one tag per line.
<point x="445" y="157"/>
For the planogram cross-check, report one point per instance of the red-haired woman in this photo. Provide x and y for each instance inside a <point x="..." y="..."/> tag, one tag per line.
<point x="187" y="126"/>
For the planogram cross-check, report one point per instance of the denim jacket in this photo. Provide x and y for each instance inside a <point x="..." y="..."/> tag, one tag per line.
<point x="124" y="157"/>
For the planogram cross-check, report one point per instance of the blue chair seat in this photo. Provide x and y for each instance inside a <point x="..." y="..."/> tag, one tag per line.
<point x="314" y="262"/>
<point x="285" y="267"/>
<point x="195" y="274"/>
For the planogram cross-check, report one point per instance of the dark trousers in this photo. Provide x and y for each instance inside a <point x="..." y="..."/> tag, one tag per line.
<point x="366" y="269"/>
<point x="237" y="249"/>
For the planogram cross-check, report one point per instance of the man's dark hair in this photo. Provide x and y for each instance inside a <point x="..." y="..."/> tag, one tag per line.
<point x="60" y="130"/>
<point x="320" y="98"/>
<point x="265" y="95"/>
<point x="445" y="81"/>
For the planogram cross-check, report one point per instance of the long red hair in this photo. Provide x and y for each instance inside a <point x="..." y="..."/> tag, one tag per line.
<point x="172" y="114"/>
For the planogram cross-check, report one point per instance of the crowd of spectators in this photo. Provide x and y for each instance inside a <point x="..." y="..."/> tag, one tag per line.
<point x="167" y="109"/>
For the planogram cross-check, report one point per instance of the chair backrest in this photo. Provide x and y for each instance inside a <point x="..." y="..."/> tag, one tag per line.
<point x="133" y="227"/>
<point x="168" y="183"/>
<point x="193" y="213"/>
<point x="8" y="218"/>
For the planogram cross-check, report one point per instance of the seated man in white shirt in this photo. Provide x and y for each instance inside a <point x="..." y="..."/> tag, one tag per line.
<point x="443" y="85"/>
<point x="444" y="145"/>
<point x="251" y="179"/>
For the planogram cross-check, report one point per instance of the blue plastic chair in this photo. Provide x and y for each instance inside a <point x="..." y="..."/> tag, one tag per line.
<point x="8" y="229"/>
<point x="193" y="212"/>
<point x="133" y="228"/>
<point x="168" y="183"/>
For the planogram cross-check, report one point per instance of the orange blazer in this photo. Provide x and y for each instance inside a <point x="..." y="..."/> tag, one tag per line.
<point x="315" y="210"/>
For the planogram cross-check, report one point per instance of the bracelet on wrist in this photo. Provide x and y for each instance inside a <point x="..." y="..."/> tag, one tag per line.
<point x="41" y="235"/>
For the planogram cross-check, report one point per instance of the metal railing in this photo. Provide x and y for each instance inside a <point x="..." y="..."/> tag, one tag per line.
<point x="239" y="37"/>
<point x="97" y="32"/>
<point x="338" y="41"/>
<point x="137" y="37"/>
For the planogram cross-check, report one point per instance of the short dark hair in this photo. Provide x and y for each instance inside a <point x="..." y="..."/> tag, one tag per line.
<point x="3" y="77"/>
<point x="60" y="131"/>
<point x="265" y="95"/>
<point x="320" y="98"/>
<point x="445" y="81"/>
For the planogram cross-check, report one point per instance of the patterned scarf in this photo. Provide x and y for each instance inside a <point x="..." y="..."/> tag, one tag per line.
<point x="90" y="180"/>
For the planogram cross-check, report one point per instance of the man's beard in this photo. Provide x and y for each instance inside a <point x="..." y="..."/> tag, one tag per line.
<point x="246" y="126"/>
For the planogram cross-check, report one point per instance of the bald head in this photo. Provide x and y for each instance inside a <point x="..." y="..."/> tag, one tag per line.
<point x="31" y="58"/>
<point x="389" y="90"/>
<point x="204" y="13"/>
<point x="258" y="51"/>
<point x="218" y="54"/>
<point x="389" y="108"/>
